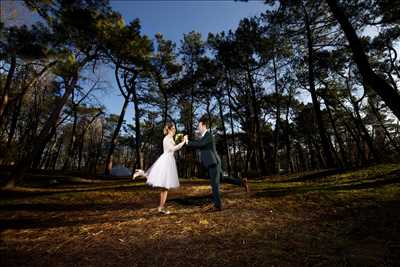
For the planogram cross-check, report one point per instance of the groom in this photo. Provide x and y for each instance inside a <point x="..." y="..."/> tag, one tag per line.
<point x="212" y="162"/>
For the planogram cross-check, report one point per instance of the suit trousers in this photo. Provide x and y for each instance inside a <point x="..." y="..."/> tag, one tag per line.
<point x="216" y="177"/>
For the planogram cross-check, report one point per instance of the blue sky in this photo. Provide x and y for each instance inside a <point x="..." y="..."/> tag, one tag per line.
<point x="173" y="19"/>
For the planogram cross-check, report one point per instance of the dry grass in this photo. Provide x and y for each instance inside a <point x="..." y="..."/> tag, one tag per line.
<point x="347" y="219"/>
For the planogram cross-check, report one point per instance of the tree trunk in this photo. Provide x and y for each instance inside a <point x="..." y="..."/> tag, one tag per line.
<point x="208" y="110"/>
<point x="235" y="170"/>
<point x="113" y="143"/>
<point x="289" y="163"/>
<point x="7" y="86"/>
<point x="47" y="155"/>
<point x="19" y="100"/>
<point x="388" y="94"/>
<point x="56" y="155"/>
<point x="256" y="122"/>
<point x="311" y="79"/>
<point x="226" y="149"/>
<point x="98" y="152"/>
<point x="311" y="153"/>
<point x="382" y="124"/>
<point x="338" y="137"/>
<point x="360" y="149"/>
<point x="80" y="150"/>
<point x="365" y="135"/>
<point x="303" y="163"/>
<point x="161" y="87"/>
<point x="44" y="136"/>
<point x="14" y="121"/>
<point x="71" y="145"/>
<point x="138" y="162"/>
<point x="275" y="157"/>
<point x="36" y="163"/>
<point x="165" y="116"/>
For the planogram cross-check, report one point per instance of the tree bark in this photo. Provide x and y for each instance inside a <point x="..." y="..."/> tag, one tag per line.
<point x="290" y="167"/>
<point x="338" y="137"/>
<point x="365" y="135"/>
<point x="226" y="149"/>
<point x="113" y="143"/>
<point x="135" y="99"/>
<point x="275" y="157"/>
<point x="256" y="121"/>
<point x="42" y="139"/>
<point x="7" y="86"/>
<point x="382" y="124"/>
<point x="232" y="125"/>
<point x="71" y="145"/>
<point x="388" y="94"/>
<point x="311" y="79"/>
<point x="360" y="149"/>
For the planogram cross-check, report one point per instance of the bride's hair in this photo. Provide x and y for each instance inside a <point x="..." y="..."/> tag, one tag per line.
<point x="168" y="126"/>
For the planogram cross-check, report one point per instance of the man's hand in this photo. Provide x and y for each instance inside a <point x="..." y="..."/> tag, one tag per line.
<point x="186" y="138"/>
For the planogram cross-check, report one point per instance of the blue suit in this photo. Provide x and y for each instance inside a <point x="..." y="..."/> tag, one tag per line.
<point x="212" y="162"/>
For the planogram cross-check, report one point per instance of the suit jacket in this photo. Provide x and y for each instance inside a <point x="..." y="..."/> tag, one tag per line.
<point x="208" y="152"/>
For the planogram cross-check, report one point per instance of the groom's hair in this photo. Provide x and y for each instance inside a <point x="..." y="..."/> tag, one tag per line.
<point x="204" y="120"/>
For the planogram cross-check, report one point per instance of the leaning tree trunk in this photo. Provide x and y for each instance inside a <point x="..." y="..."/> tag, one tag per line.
<point x="19" y="101"/>
<point x="113" y="143"/>
<point x="338" y="137"/>
<point x="365" y="135"/>
<point x="56" y="155"/>
<point x="38" y="159"/>
<point x="39" y="142"/>
<point x="361" y="152"/>
<point x="14" y="120"/>
<point x="71" y="145"/>
<point x="388" y="94"/>
<point x="392" y="141"/>
<point x="48" y="154"/>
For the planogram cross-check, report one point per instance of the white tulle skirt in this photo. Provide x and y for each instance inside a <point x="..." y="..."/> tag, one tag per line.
<point x="163" y="172"/>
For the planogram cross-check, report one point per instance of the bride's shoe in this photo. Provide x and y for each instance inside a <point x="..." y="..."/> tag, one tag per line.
<point x="138" y="173"/>
<point x="163" y="210"/>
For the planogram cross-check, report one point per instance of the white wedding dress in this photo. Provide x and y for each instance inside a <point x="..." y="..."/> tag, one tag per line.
<point x="163" y="173"/>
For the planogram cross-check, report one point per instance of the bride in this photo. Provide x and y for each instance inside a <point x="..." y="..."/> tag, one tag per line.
<point x="163" y="173"/>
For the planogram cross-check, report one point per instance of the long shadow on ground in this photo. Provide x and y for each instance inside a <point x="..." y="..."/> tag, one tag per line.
<point x="373" y="182"/>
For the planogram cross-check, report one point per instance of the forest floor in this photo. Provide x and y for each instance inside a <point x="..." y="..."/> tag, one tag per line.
<point x="315" y="219"/>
